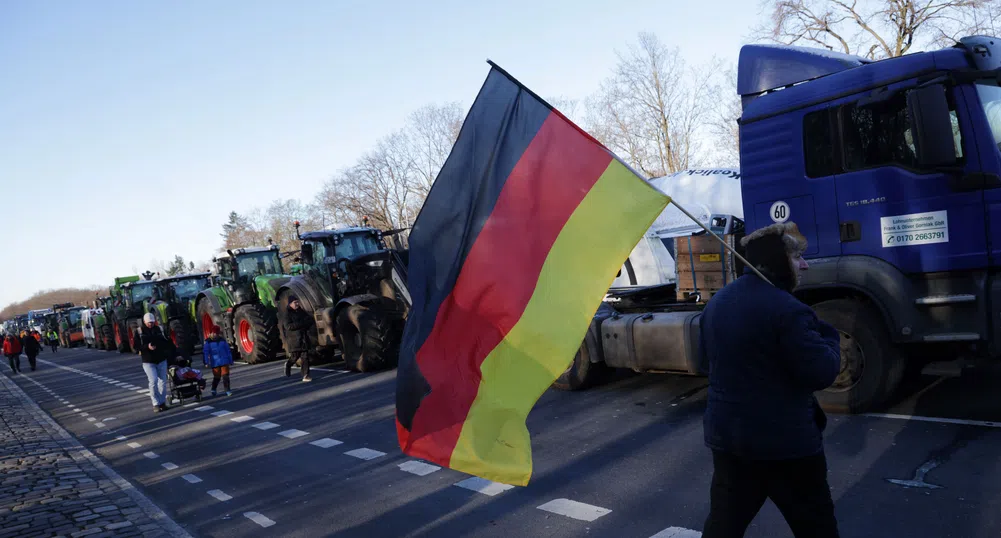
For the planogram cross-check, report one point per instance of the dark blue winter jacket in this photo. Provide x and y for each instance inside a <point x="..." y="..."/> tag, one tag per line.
<point x="216" y="353"/>
<point x="768" y="353"/>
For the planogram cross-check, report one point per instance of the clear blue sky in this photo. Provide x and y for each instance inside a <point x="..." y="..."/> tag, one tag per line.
<point x="129" y="130"/>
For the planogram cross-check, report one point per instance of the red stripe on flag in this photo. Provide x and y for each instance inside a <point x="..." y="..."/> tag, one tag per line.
<point x="498" y="278"/>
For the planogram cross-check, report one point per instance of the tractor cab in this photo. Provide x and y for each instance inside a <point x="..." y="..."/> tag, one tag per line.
<point x="239" y="268"/>
<point x="346" y="262"/>
<point x="136" y="295"/>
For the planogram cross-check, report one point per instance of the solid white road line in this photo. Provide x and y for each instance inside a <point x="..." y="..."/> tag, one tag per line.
<point x="168" y="466"/>
<point x="121" y="438"/>
<point x="484" y="486"/>
<point x="242" y="418"/>
<point x="292" y="434"/>
<point x="134" y="445"/>
<point x="418" y="468"/>
<point x="151" y="455"/>
<point x="222" y="413"/>
<point x="259" y="519"/>
<point x="109" y="419"/>
<point x="265" y="425"/>
<point x="204" y="408"/>
<point x="218" y="494"/>
<point x="364" y="453"/>
<point x="677" y="532"/>
<point x="191" y="479"/>
<point x="192" y="404"/>
<point x="326" y="442"/>
<point x="574" y="509"/>
<point x="964" y="422"/>
<point x="331" y="370"/>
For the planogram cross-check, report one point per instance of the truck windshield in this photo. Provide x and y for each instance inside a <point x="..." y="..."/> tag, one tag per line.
<point x="73" y="317"/>
<point x="357" y="244"/>
<point x="142" y="291"/>
<point x="990" y="99"/>
<point x="259" y="263"/>
<point x="186" y="289"/>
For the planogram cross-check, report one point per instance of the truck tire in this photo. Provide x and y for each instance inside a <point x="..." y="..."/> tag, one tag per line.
<point x="871" y="367"/>
<point x="256" y="333"/>
<point x="366" y="347"/>
<point x="183" y="335"/>
<point x="107" y="337"/>
<point x="582" y="373"/>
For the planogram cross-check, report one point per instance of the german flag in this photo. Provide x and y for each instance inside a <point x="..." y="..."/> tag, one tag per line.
<point x="519" y="239"/>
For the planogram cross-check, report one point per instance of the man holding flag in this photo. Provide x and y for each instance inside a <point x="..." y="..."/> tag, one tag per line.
<point x="520" y="237"/>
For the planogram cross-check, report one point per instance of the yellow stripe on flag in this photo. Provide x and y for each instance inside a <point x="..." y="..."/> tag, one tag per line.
<point x="578" y="270"/>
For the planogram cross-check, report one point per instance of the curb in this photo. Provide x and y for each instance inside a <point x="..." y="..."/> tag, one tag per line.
<point x="70" y="443"/>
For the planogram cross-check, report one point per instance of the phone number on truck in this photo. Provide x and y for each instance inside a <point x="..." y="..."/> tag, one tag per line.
<point x="908" y="238"/>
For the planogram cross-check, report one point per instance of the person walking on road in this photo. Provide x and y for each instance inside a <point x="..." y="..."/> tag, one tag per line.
<point x="217" y="355"/>
<point x="31" y="348"/>
<point x="768" y="353"/>
<point x="156" y="350"/>
<point x="53" y="340"/>
<point x="12" y="350"/>
<point x="296" y="326"/>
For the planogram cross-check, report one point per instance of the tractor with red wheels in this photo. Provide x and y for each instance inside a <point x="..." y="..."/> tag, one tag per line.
<point x="173" y="305"/>
<point x="241" y="301"/>
<point x="117" y="311"/>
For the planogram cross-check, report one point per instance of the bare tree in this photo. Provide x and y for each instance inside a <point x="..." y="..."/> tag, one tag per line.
<point x="724" y="111"/>
<point x="429" y="135"/>
<point x="651" y="108"/>
<point x="876" y="28"/>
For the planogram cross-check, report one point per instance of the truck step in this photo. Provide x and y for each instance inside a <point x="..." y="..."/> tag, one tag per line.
<point x="952" y="368"/>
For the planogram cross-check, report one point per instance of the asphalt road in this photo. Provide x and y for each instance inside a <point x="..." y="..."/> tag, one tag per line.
<point x="286" y="458"/>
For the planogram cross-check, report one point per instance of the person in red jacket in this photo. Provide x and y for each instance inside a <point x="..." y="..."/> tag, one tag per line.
<point x="12" y="349"/>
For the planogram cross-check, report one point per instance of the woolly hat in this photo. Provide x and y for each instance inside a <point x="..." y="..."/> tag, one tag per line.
<point x="770" y="250"/>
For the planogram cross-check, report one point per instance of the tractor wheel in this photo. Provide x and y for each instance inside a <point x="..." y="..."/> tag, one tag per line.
<point x="107" y="337"/>
<point x="871" y="367"/>
<point x="206" y="321"/>
<point x="256" y="330"/>
<point x="121" y="338"/>
<point x="183" y="335"/>
<point x="366" y="339"/>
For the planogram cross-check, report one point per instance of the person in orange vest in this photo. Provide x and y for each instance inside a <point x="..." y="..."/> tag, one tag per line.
<point x="12" y="349"/>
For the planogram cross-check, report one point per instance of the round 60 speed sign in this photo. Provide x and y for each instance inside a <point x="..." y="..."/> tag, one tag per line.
<point x="779" y="211"/>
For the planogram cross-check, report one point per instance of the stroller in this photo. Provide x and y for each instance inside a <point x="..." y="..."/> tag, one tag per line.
<point x="185" y="381"/>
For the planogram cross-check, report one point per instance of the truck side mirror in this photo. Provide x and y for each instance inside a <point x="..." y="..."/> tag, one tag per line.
<point x="931" y="126"/>
<point x="307" y="254"/>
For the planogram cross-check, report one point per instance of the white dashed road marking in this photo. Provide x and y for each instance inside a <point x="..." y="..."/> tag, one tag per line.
<point x="326" y="442"/>
<point x="242" y="418"/>
<point x="91" y="419"/>
<point x="169" y="466"/>
<point x="218" y="494"/>
<point x="99" y="424"/>
<point x="134" y="445"/>
<point x="191" y="479"/>
<point x="259" y="519"/>
<point x="204" y="408"/>
<point x="151" y="455"/>
<point x="265" y="425"/>
<point x="121" y="438"/>
<point x="484" y="486"/>
<point x="222" y="413"/>
<point x="77" y="410"/>
<point x="292" y="434"/>
<point x="574" y="509"/>
<point x="365" y="453"/>
<point x="677" y="532"/>
<point x="418" y="468"/>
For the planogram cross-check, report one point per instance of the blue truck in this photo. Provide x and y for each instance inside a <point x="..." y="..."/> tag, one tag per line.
<point x="892" y="170"/>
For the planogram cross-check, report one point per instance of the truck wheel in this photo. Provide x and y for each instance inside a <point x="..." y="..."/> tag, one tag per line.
<point x="871" y="367"/>
<point x="256" y="330"/>
<point x="582" y="373"/>
<point x="183" y="335"/>
<point x="366" y="347"/>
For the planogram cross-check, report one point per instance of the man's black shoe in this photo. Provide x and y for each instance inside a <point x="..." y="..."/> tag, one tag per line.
<point x="288" y="370"/>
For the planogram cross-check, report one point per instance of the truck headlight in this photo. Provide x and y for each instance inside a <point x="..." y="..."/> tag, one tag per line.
<point x="374" y="263"/>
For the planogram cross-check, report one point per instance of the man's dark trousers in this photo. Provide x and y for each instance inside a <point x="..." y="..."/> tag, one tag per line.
<point x="798" y="487"/>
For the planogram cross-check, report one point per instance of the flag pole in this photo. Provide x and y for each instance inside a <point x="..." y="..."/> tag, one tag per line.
<point x="722" y="242"/>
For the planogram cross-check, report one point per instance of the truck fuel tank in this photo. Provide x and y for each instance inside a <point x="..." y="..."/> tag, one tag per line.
<point x="654" y="342"/>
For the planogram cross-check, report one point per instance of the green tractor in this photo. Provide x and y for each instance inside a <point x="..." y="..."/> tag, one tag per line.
<point x="354" y="287"/>
<point x="117" y="311"/>
<point x="135" y="298"/>
<point x="104" y="328"/>
<point x="173" y="304"/>
<point x="70" y="329"/>
<point x="241" y="301"/>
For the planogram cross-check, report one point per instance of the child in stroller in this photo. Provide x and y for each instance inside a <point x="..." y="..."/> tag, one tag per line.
<point x="185" y="381"/>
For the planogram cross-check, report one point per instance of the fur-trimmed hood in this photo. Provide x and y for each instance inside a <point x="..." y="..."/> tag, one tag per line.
<point x="794" y="241"/>
<point x="771" y="249"/>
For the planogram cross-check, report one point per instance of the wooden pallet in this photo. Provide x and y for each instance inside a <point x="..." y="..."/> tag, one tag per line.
<point x="703" y="265"/>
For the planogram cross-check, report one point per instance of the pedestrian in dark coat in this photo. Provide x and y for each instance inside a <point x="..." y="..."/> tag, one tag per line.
<point x="31" y="349"/>
<point x="156" y="351"/>
<point x="296" y="327"/>
<point x="768" y="353"/>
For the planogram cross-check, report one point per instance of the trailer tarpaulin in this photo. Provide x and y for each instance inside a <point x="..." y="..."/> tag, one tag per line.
<point x="517" y="243"/>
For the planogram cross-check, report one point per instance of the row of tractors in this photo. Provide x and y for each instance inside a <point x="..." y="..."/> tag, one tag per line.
<point x="351" y="280"/>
